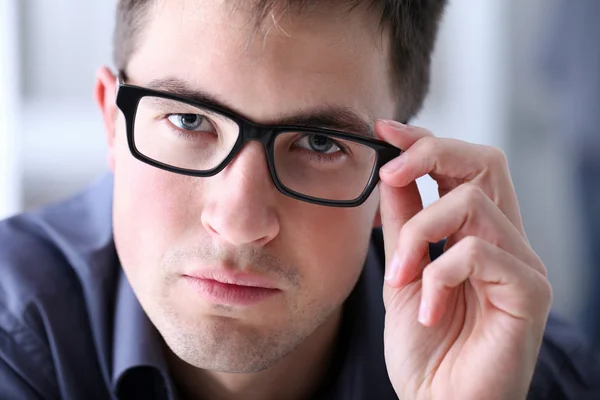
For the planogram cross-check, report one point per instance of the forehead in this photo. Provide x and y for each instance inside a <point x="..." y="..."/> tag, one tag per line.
<point x="324" y="56"/>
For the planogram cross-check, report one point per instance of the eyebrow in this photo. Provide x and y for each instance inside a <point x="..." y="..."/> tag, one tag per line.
<point x="329" y="116"/>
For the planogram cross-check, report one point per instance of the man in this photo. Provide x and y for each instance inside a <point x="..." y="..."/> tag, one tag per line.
<point x="231" y="254"/>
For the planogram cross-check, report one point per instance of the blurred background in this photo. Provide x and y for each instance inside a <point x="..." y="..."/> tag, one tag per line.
<point x="510" y="73"/>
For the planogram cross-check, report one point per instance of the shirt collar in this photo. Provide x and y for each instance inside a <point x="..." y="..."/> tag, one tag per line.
<point x="81" y="229"/>
<point x="362" y="372"/>
<point x="137" y="344"/>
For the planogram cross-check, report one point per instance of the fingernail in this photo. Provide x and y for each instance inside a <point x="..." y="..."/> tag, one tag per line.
<point x="394" y="124"/>
<point x="423" y="312"/>
<point x="392" y="269"/>
<point x="395" y="164"/>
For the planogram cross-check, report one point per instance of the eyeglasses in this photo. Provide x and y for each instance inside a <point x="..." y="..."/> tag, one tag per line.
<point x="317" y="165"/>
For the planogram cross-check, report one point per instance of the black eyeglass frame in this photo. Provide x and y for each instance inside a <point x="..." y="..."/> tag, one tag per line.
<point x="129" y="96"/>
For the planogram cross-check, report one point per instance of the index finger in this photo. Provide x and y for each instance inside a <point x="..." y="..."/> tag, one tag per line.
<point x="400" y="135"/>
<point x="451" y="162"/>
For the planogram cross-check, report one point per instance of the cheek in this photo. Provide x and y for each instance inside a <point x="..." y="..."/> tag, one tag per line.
<point x="331" y="244"/>
<point x="152" y="210"/>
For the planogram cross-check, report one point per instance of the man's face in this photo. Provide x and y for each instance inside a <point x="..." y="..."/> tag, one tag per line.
<point x="169" y="227"/>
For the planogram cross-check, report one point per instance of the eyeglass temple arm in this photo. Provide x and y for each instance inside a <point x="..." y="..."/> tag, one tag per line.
<point x="120" y="80"/>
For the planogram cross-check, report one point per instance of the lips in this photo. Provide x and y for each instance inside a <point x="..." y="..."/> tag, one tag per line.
<point x="228" y="288"/>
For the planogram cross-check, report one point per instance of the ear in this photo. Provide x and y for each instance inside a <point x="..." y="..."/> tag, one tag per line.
<point x="105" y="94"/>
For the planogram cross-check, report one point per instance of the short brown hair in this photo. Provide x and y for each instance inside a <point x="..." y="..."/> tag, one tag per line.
<point x="413" y="26"/>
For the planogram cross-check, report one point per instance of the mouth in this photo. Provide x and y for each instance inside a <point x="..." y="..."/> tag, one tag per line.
<point x="234" y="289"/>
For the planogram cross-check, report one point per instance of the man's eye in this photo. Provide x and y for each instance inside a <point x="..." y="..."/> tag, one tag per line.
<point x="191" y="122"/>
<point x="318" y="143"/>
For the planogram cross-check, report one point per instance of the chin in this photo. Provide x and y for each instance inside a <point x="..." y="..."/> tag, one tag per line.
<point x="221" y="344"/>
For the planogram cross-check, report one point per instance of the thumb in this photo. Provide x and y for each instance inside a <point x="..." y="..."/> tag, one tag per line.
<point x="398" y="204"/>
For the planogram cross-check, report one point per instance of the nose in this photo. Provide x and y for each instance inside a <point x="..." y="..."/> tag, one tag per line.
<point x="240" y="207"/>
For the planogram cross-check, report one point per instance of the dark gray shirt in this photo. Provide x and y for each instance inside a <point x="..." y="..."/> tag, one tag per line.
<point x="72" y="328"/>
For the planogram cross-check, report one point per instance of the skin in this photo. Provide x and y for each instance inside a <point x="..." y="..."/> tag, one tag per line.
<point x="484" y="303"/>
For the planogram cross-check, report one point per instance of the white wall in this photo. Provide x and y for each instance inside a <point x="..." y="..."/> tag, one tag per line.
<point x="9" y="160"/>
<point x="468" y="98"/>
<point x="63" y="44"/>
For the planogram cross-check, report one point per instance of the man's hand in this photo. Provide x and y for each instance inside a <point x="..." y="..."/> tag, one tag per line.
<point x="468" y="325"/>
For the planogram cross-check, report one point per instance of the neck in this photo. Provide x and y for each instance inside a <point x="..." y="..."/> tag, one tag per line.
<point x="297" y="376"/>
